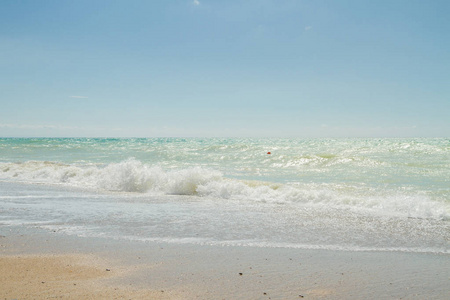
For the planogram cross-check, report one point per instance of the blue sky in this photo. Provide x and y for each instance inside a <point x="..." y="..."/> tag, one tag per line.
<point x="225" y="68"/>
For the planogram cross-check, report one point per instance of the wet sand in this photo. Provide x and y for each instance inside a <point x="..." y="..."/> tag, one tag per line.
<point x="39" y="264"/>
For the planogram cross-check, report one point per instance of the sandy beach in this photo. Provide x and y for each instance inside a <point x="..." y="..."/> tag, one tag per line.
<point x="40" y="265"/>
<point x="68" y="276"/>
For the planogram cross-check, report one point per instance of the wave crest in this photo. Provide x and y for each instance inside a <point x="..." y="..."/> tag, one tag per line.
<point x="128" y="176"/>
<point x="133" y="176"/>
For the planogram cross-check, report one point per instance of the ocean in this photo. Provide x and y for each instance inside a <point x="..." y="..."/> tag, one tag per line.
<point x="337" y="194"/>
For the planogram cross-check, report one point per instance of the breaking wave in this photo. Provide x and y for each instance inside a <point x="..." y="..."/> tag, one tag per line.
<point x="133" y="176"/>
<point x="127" y="176"/>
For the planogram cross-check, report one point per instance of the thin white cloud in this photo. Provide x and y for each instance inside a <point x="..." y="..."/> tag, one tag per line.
<point x="79" y="97"/>
<point x="196" y="2"/>
<point x="308" y="28"/>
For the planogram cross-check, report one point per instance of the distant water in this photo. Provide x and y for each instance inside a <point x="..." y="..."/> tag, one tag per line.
<point x="342" y="194"/>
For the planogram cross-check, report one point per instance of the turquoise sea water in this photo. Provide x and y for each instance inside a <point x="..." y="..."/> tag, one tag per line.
<point x="349" y="194"/>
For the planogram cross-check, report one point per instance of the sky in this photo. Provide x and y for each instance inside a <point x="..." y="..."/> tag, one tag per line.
<point x="210" y="68"/>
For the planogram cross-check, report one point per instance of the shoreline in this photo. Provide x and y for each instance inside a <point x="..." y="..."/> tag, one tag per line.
<point x="142" y="270"/>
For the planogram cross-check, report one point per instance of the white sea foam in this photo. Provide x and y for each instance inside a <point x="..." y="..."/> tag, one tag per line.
<point x="345" y="194"/>
<point x="127" y="176"/>
<point x="134" y="176"/>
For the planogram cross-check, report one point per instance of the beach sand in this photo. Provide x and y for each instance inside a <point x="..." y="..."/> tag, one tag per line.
<point x="38" y="264"/>
<point x="64" y="276"/>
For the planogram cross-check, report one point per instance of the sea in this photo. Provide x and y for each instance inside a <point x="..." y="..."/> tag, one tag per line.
<point x="365" y="194"/>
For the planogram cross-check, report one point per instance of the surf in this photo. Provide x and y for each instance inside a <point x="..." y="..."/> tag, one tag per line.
<point x="134" y="176"/>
